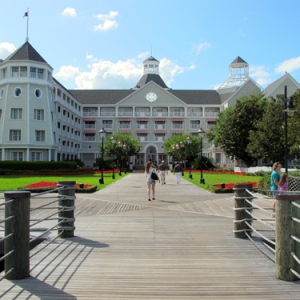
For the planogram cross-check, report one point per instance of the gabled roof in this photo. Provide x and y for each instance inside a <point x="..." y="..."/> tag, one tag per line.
<point x="271" y="87"/>
<point x="26" y="52"/>
<point x="109" y="97"/>
<point x="151" y="77"/>
<point x="209" y="97"/>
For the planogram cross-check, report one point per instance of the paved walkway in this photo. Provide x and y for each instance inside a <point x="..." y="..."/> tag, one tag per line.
<point x="180" y="246"/>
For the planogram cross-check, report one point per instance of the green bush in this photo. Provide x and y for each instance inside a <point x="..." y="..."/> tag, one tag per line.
<point x="205" y="165"/>
<point x="107" y="164"/>
<point x="14" y="165"/>
<point x="214" y="189"/>
<point x="91" y="189"/>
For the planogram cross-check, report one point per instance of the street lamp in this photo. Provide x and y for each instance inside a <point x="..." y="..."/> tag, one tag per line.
<point x="113" y="141"/>
<point x="182" y="146"/>
<point x="189" y="141"/>
<point x="201" y="133"/>
<point x="102" y="134"/>
<point x="289" y="110"/>
<point x="120" y="161"/>
<point x="125" y="148"/>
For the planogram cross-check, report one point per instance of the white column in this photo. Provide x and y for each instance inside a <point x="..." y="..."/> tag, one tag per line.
<point x="27" y="154"/>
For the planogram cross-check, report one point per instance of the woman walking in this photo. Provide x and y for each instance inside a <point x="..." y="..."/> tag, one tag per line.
<point x="149" y="169"/>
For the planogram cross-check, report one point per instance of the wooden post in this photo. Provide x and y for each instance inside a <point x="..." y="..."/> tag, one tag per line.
<point x="285" y="227"/>
<point x="67" y="203"/>
<point x="240" y="195"/>
<point x="19" y="242"/>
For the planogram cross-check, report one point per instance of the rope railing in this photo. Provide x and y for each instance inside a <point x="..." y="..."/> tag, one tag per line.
<point x="250" y="217"/>
<point x="16" y="243"/>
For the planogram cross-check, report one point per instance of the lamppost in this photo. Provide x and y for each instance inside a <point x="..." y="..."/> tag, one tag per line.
<point x="189" y="141"/>
<point x="120" y="161"/>
<point x="102" y="134"/>
<point x="182" y="148"/>
<point x="201" y="133"/>
<point x="289" y="110"/>
<point x="113" y="141"/>
<point x="125" y="148"/>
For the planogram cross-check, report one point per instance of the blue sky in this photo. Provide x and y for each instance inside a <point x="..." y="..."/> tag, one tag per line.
<point x="102" y="44"/>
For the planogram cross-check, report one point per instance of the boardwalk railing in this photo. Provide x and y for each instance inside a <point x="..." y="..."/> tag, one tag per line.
<point x="280" y="233"/>
<point x="17" y="225"/>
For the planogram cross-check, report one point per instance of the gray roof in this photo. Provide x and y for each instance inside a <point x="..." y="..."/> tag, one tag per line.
<point x="239" y="60"/>
<point x="151" y="77"/>
<point x="197" y="96"/>
<point x="151" y="58"/>
<point x="26" y="52"/>
<point x="100" y="96"/>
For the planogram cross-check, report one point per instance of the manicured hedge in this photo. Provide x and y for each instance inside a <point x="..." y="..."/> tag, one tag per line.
<point x="37" y="165"/>
<point x="91" y="189"/>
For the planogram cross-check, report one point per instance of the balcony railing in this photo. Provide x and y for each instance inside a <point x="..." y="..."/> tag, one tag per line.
<point x="176" y="114"/>
<point x="211" y="114"/>
<point x="159" y="113"/>
<point x="107" y="126"/>
<point x="90" y="114"/>
<point x="90" y="126"/>
<point x="107" y="113"/>
<point x="142" y="126"/>
<point x="160" y="126"/>
<point x="124" y="126"/>
<point x="125" y="114"/>
<point x="177" y="126"/>
<point x="142" y="114"/>
<point x="194" y="114"/>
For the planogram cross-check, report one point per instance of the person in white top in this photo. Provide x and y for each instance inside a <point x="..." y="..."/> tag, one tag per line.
<point x="149" y="169"/>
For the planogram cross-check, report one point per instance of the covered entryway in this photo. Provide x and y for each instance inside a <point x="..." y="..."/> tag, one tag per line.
<point x="151" y="154"/>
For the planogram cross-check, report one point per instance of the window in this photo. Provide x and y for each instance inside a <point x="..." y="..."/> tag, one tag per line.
<point x="58" y="124"/>
<point x="90" y="125"/>
<point x="58" y="109"/>
<point x="23" y="72"/>
<point x="0" y="113"/>
<point x="177" y="125"/>
<point x="38" y="93"/>
<point x="211" y="124"/>
<point x="194" y="124"/>
<point x="40" y="135"/>
<point x="17" y="156"/>
<point x="15" y="135"/>
<point x="36" y="156"/>
<point x="39" y="114"/>
<point x="159" y="137"/>
<point x="3" y="73"/>
<point x="1" y="93"/>
<point x="16" y="113"/>
<point x="89" y="137"/>
<point x="142" y="137"/>
<point x="32" y="72"/>
<point x="124" y="125"/>
<point x="107" y="124"/>
<point x="40" y="73"/>
<point x="15" y="71"/>
<point x="17" y="92"/>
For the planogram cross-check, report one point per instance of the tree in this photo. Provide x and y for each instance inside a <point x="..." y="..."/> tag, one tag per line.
<point x="234" y="124"/>
<point x="125" y="146"/>
<point x="267" y="141"/>
<point x="179" y="152"/>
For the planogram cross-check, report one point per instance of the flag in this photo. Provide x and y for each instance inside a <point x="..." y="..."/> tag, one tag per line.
<point x="26" y="14"/>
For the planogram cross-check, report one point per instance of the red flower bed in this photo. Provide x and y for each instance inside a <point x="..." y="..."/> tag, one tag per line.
<point x="46" y="184"/>
<point x="231" y="185"/>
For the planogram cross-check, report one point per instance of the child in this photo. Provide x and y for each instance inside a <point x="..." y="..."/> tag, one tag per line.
<point x="282" y="186"/>
<point x="283" y="183"/>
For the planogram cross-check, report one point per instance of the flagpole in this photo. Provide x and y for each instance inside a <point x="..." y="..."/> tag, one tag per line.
<point x="27" y="38"/>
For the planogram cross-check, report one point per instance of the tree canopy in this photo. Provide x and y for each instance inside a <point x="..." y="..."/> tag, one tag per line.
<point x="234" y="125"/>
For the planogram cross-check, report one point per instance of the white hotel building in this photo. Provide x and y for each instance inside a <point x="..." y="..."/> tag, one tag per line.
<point x="42" y="120"/>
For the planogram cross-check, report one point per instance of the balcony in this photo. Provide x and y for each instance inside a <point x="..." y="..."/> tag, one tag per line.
<point x="107" y="114"/>
<point x="90" y="113"/>
<point x="194" y="114"/>
<point x="142" y="114"/>
<point x="177" y="114"/>
<point x="159" y="113"/>
<point x="211" y="114"/>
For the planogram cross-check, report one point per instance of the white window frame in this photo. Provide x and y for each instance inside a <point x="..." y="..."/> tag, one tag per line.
<point x="36" y="156"/>
<point x="39" y="114"/>
<point x="17" y="155"/>
<point x="15" y="135"/>
<point x="16" y="114"/>
<point x="23" y="71"/>
<point x="33" y="72"/>
<point x="40" y="73"/>
<point x="40" y="136"/>
<point x="15" y="72"/>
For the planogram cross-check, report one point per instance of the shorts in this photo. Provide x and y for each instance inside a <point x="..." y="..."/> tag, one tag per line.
<point x="162" y="174"/>
<point x="151" y="181"/>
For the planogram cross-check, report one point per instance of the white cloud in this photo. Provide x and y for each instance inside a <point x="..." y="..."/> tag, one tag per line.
<point x="104" y="74"/>
<point x="289" y="65"/>
<point x="67" y="72"/>
<point x="201" y="47"/>
<point x="69" y="11"/>
<point x="108" y="21"/>
<point x="260" y="75"/>
<point x="6" y="49"/>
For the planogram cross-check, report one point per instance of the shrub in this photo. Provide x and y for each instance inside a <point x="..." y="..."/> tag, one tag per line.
<point x="205" y="165"/>
<point x="37" y="165"/>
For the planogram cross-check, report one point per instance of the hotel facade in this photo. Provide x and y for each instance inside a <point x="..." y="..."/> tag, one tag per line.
<point x="41" y="120"/>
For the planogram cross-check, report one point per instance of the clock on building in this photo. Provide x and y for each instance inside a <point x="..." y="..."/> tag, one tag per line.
<point x="151" y="97"/>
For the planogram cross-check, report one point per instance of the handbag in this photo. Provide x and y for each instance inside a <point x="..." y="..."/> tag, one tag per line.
<point x="154" y="176"/>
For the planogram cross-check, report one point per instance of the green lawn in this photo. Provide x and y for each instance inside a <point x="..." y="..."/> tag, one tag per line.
<point x="219" y="178"/>
<point x="9" y="183"/>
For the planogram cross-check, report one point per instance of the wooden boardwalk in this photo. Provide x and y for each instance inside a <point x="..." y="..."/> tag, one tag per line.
<point x="180" y="246"/>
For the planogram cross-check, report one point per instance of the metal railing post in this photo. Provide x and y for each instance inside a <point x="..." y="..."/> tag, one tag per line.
<point x="240" y="194"/>
<point x="285" y="227"/>
<point x="19" y="242"/>
<point x="66" y="228"/>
